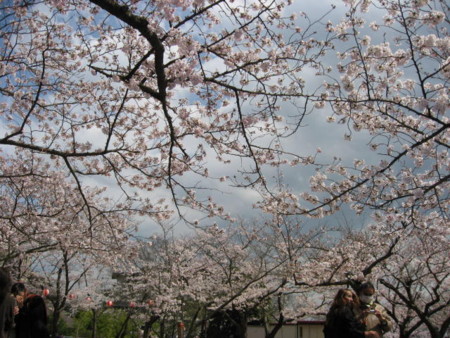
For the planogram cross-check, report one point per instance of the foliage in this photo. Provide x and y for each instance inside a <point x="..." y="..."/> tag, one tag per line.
<point x="108" y="325"/>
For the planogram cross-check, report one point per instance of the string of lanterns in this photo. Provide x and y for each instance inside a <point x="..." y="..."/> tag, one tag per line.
<point x="108" y="303"/>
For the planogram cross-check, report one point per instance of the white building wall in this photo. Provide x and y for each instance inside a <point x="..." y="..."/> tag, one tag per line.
<point x="312" y="331"/>
<point x="288" y="331"/>
<point x="255" y="332"/>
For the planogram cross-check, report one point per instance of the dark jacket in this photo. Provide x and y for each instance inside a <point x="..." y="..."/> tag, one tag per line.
<point x="341" y="323"/>
<point x="31" y="322"/>
<point x="7" y="315"/>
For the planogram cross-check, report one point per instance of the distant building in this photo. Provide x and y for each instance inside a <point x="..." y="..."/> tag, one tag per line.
<point x="299" y="329"/>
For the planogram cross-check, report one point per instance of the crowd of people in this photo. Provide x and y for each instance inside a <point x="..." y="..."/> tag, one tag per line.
<point x="22" y="314"/>
<point x="357" y="315"/>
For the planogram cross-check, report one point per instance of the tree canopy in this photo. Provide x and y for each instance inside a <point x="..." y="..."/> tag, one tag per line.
<point x="118" y="113"/>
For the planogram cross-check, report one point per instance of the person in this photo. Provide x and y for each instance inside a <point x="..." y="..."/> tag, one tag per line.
<point x="341" y="321"/>
<point x="373" y="315"/>
<point x="31" y="321"/>
<point x="7" y="304"/>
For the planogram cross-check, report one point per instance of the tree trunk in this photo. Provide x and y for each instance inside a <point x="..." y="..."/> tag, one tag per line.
<point x="162" y="328"/>
<point x="123" y="328"/>
<point x="276" y="328"/>
<point x="94" y="324"/>
<point x="55" y="320"/>
<point x="148" y="325"/>
<point x="240" y="324"/>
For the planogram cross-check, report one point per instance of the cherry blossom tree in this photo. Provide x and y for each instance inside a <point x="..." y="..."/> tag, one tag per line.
<point x="73" y="279"/>
<point x="143" y="93"/>
<point x="409" y="266"/>
<point x="44" y="232"/>
<point x="194" y="280"/>
<point x="391" y="85"/>
<point x="92" y="294"/>
<point x="416" y="284"/>
<point x="396" y="91"/>
<point x="42" y="212"/>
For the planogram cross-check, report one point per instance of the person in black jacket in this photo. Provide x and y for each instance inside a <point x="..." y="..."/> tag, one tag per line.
<point x="341" y="321"/>
<point x="31" y="321"/>
<point x="7" y="305"/>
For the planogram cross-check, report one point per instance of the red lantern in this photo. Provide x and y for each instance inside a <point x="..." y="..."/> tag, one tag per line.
<point x="45" y="292"/>
<point x="89" y="299"/>
<point x="109" y="303"/>
<point x="132" y="304"/>
<point x="71" y="296"/>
